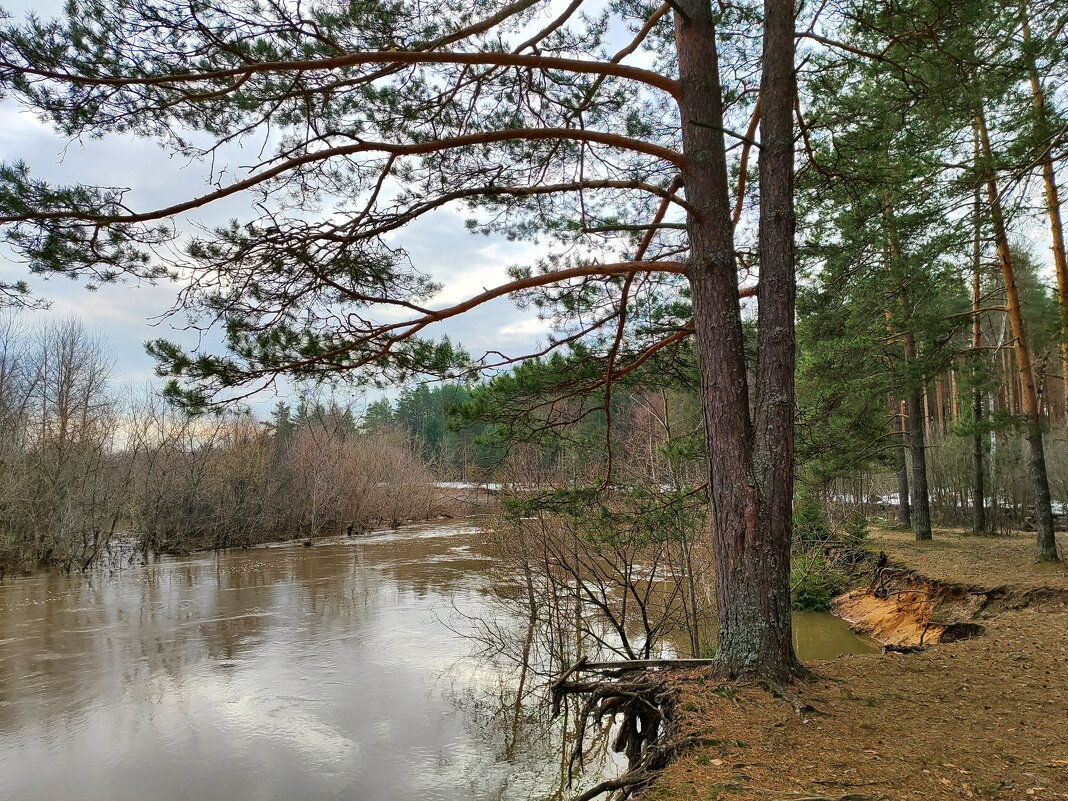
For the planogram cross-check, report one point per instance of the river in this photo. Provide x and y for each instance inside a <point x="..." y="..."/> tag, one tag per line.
<point x="336" y="671"/>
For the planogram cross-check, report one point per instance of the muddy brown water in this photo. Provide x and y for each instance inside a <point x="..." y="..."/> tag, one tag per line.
<point x="818" y="635"/>
<point x="338" y="671"/>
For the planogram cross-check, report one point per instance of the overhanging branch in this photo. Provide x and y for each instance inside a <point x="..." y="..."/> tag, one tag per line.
<point x="392" y="149"/>
<point x="397" y="57"/>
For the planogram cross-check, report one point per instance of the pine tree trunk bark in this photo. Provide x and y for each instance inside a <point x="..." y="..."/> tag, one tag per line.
<point x="916" y="411"/>
<point x="978" y="463"/>
<point x="921" y="504"/>
<point x="776" y="339"/>
<point x="978" y="467"/>
<point x="1046" y="543"/>
<point x="940" y="407"/>
<point x="954" y="412"/>
<point x="926" y="413"/>
<point x="904" y="508"/>
<point x="750" y="458"/>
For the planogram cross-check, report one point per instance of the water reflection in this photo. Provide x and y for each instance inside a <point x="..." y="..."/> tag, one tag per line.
<point x="818" y="635"/>
<point x="339" y="671"/>
<point x="290" y="672"/>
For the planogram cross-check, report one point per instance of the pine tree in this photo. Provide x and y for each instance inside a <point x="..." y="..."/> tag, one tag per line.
<point x="384" y="112"/>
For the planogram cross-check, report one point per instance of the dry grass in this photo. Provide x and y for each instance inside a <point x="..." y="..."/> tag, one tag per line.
<point x="984" y="718"/>
<point x="955" y="556"/>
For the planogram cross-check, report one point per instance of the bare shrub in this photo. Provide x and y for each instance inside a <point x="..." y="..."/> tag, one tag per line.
<point x="61" y="492"/>
<point x="620" y="578"/>
<point x="79" y="471"/>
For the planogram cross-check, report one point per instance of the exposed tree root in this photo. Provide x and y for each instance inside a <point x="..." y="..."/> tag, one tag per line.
<point x="802" y="708"/>
<point x="648" y="733"/>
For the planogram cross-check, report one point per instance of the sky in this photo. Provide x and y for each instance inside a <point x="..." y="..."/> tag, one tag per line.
<point x="131" y="314"/>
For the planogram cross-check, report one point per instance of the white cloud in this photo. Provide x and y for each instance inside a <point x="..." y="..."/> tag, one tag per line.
<point x="439" y="245"/>
<point x="526" y="329"/>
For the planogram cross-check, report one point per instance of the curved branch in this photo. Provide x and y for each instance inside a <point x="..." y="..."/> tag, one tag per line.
<point x="543" y="279"/>
<point x="427" y="206"/>
<point x="548" y="29"/>
<point x="411" y="149"/>
<point x="613" y="352"/>
<point x="395" y="333"/>
<point x="856" y="51"/>
<point x="743" y="167"/>
<point x="401" y="57"/>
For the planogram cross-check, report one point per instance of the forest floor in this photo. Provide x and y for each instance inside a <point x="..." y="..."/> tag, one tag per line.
<point x="984" y="718"/>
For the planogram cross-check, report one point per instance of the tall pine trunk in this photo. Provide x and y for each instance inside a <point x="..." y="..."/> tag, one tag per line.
<point x="915" y="408"/>
<point x="897" y="424"/>
<point x="1046" y="541"/>
<point x="978" y="467"/>
<point x="750" y="456"/>
<point x="978" y="462"/>
<point x="1053" y="203"/>
<point x="921" y="504"/>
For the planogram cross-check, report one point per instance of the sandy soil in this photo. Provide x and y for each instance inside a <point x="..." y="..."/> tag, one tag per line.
<point x="985" y="718"/>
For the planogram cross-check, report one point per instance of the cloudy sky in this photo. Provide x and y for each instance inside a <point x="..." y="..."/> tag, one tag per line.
<point x="129" y="315"/>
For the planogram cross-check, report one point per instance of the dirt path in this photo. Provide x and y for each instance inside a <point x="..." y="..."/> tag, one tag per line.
<point x="985" y="718"/>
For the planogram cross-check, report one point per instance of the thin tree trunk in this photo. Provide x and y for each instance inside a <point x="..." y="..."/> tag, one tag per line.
<point x="750" y="461"/>
<point x="689" y="590"/>
<point x="953" y="408"/>
<point x="926" y="412"/>
<point x="1053" y="204"/>
<point x="978" y="464"/>
<point x="1046" y="541"/>
<point x="921" y="504"/>
<point x="915" y="407"/>
<point x="940" y="407"/>
<point x="1012" y="375"/>
<point x="904" y="509"/>
<point x="1008" y="381"/>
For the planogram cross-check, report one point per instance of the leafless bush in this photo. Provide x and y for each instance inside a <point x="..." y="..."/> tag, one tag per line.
<point x="654" y="423"/>
<point x="233" y="480"/>
<point x="621" y="579"/>
<point x="1008" y="485"/>
<point x="61" y="496"/>
<point x="337" y="475"/>
<point x="79" y="471"/>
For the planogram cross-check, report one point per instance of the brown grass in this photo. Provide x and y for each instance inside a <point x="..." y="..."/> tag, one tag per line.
<point x="985" y="718"/>
<point x="955" y="556"/>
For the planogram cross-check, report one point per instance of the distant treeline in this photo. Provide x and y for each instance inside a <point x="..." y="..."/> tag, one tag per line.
<point x="423" y="412"/>
<point x="83" y="469"/>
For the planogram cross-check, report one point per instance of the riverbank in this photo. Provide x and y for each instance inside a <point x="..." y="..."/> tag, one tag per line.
<point x="127" y="546"/>
<point x="979" y="718"/>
